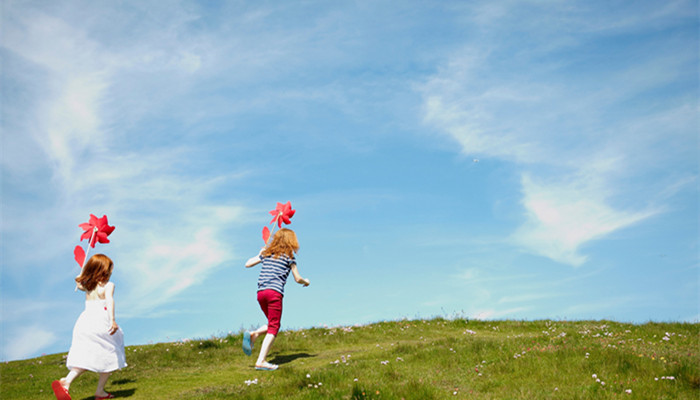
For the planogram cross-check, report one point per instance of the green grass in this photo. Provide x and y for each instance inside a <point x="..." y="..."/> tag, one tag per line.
<point x="420" y="359"/>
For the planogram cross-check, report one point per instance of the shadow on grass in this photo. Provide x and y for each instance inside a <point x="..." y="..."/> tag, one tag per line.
<point x="118" y="394"/>
<point x="287" y="358"/>
<point x="123" y="381"/>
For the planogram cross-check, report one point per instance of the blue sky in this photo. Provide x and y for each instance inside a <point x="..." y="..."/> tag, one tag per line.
<point x="487" y="159"/>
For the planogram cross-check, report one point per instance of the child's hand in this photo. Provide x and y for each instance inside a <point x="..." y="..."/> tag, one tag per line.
<point x="306" y="282"/>
<point x="114" y="328"/>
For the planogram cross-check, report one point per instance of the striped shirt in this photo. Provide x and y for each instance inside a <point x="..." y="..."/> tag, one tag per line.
<point x="274" y="272"/>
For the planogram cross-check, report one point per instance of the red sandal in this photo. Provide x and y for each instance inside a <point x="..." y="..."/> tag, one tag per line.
<point x="60" y="392"/>
<point x="109" y="396"/>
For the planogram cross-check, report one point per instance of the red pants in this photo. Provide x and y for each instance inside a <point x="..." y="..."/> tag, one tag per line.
<point x="271" y="303"/>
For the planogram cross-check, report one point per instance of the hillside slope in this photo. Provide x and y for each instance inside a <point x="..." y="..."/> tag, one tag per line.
<point x="409" y="359"/>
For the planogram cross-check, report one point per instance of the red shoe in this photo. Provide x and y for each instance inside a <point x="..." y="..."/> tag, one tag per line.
<point x="109" y="396"/>
<point x="60" y="392"/>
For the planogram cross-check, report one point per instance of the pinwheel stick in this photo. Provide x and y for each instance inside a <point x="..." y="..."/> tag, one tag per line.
<point x="274" y="222"/>
<point x="92" y="237"/>
<point x="94" y="232"/>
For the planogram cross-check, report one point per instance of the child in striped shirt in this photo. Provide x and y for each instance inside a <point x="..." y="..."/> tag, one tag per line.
<point x="277" y="261"/>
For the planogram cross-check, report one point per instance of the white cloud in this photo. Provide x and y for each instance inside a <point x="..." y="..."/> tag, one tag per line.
<point x="70" y="81"/>
<point x="169" y="230"/>
<point x="163" y="262"/>
<point x="561" y="217"/>
<point x="73" y="124"/>
<point x="15" y="310"/>
<point x="26" y="342"/>
<point x="580" y="151"/>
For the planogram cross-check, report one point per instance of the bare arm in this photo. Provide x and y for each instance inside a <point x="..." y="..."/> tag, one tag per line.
<point x="298" y="278"/>
<point x="253" y="261"/>
<point x="109" y="296"/>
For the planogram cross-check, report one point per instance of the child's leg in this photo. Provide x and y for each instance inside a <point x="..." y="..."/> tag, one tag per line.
<point x="260" y="331"/>
<point x="262" y="300"/>
<point x="62" y="386"/>
<point x="74" y="373"/>
<point x="101" y="384"/>
<point x="272" y="301"/>
<point x="265" y="348"/>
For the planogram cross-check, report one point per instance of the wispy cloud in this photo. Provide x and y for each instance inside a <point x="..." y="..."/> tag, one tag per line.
<point x="167" y="259"/>
<point x="573" y="157"/>
<point x="138" y="186"/>
<point x="561" y="217"/>
<point x="27" y="341"/>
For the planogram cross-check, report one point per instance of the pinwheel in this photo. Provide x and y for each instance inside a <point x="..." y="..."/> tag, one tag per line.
<point x="96" y="230"/>
<point x="281" y="214"/>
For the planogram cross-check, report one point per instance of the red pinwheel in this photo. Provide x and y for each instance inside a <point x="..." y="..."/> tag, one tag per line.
<point x="282" y="213"/>
<point x="79" y="254"/>
<point x="96" y="230"/>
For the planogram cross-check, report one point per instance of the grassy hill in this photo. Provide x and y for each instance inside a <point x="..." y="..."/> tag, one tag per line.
<point x="418" y="359"/>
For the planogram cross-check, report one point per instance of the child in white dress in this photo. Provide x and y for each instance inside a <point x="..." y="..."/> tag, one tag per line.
<point x="98" y="342"/>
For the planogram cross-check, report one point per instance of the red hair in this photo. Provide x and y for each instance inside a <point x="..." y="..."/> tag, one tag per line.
<point x="97" y="270"/>
<point x="283" y="243"/>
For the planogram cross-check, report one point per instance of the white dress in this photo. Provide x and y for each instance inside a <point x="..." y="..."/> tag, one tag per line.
<point x="93" y="348"/>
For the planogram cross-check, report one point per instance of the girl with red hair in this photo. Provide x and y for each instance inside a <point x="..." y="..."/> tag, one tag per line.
<point x="98" y="342"/>
<point x="277" y="262"/>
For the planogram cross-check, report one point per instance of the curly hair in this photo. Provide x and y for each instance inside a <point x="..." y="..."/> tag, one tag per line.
<point x="283" y="243"/>
<point x="97" y="270"/>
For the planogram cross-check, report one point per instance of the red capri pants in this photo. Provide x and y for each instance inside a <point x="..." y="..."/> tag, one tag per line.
<point x="271" y="303"/>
